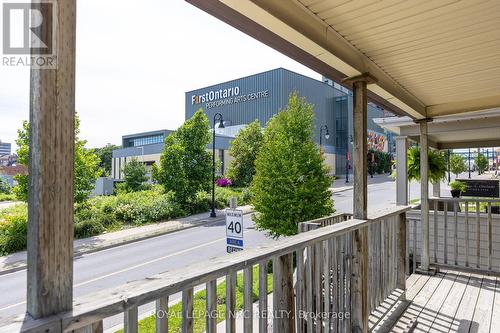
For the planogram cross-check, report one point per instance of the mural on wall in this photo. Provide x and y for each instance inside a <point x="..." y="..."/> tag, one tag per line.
<point x="376" y="141"/>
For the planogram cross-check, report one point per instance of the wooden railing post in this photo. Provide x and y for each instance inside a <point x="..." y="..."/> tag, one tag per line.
<point x="283" y="292"/>
<point x="401" y="278"/>
<point x="359" y="281"/>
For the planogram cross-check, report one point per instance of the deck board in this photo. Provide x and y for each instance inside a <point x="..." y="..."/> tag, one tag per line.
<point x="451" y="301"/>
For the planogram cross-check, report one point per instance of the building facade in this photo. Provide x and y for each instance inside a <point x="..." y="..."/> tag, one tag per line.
<point x="5" y="148"/>
<point x="261" y="96"/>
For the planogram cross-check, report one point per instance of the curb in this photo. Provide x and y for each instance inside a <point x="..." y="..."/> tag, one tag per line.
<point x="21" y="264"/>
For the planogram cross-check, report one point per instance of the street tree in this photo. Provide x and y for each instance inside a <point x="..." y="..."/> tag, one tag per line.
<point x="185" y="165"/>
<point x="457" y="164"/>
<point x="243" y="150"/>
<point x="86" y="166"/>
<point x="105" y="155"/>
<point x="291" y="182"/>
<point x="135" y="175"/>
<point x="481" y="163"/>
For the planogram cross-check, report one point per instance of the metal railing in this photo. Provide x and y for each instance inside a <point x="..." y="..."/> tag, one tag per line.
<point x="369" y="254"/>
<point x="463" y="233"/>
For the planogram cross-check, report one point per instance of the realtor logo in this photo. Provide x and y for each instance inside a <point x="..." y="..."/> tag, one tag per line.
<point x="28" y="37"/>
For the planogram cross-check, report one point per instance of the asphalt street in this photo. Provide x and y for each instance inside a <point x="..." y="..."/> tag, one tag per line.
<point x="116" y="266"/>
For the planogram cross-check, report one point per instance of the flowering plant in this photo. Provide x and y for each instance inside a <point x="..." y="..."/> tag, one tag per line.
<point x="223" y="182"/>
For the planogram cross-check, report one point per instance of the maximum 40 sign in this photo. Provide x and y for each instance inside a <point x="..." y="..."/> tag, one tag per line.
<point x="234" y="230"/>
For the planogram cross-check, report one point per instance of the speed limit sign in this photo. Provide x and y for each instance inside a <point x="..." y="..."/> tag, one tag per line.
<point x="234" y="230"/>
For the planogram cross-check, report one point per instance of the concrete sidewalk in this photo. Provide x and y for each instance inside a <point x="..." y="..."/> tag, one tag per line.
<point x="17" y="261"/>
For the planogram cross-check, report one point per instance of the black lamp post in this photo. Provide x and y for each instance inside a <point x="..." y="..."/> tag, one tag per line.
<point x="448" y="158"/>
<point x="349" y="142"/>
<point x="327" y="134"/>
<point x="217" y="117"/>
<point x="469" y="165"/>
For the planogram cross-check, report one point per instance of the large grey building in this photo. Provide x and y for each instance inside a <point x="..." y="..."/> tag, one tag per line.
<point x="261" y="96"/>
<point x="5" y="148"/>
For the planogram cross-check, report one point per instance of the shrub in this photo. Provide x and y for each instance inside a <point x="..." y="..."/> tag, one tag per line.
<point x="481" y="163"/>
<point x="4" y="186"/>
<point x="13" y="228"/>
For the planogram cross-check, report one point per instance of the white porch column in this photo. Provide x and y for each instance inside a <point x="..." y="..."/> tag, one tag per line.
<point x="424" y="195"/>
<point x="50" y="202"/>
<point x="401" y="170"/>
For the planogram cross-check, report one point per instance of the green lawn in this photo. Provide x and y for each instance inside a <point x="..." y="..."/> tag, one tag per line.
<point x="175" y="321"/>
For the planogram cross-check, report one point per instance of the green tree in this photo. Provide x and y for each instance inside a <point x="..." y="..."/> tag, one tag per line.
<point x="437" y="165"/>
<point x="86" y="165"/>
<point x="244" y="149"/>
<point x="105" y="155"/>
<point x="135" y="175"/>
<point x="291" y="182"/>
<point x="481" y="163"/>
<point x="457" y="164"/>
<point x="185" y="165"/>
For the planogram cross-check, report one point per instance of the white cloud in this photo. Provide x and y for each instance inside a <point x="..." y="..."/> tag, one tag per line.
<point x="135" y="60"/>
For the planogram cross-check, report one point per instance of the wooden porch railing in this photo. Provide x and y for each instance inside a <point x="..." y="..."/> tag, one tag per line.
<point x="463" y="233"/>
<point x="296" y="306"/>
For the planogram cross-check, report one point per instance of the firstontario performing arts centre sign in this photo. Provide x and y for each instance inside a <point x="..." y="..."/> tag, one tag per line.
<point x="217" y="98"/>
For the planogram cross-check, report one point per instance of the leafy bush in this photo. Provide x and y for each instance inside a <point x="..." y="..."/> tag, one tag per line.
<point x="7" y="197"/>
<point x="4" y="186"/>
<point x="13" y="228"/>
<point x="108" y="213"/>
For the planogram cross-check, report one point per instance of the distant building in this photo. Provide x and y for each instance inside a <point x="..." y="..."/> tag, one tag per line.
<point x="145" y="147"/>
<point x="8" y="160"/>
<point x="8" y="172"/>
<point x="5" y="148"/>
<point x="261" y="96"/>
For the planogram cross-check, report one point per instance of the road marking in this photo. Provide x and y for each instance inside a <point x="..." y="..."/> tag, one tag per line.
<point x="133" y="267"/>
<point x="147" y="263"/>
<point x="13" y="305"/>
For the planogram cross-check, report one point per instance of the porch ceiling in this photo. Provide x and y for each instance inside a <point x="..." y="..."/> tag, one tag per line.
<point x="430" y="58"/>
<point x="466" y="130"/>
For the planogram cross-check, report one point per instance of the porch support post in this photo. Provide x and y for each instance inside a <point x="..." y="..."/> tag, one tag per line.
<point x="51" y="156"/>
<point x="401" y="170"/>
<point x="424" y="195"/>
<point x="359" y="279"/>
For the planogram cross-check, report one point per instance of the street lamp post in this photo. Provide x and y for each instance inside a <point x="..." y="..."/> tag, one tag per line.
<point x="218" y="117"/>
<point x="469" y="165"/>
<point x="327" y="134"/>
<point x="448" y="158"/>
<point x="349" y="141"/>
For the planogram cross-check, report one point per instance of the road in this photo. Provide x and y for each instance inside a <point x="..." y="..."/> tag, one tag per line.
<point x="116" y="266"/>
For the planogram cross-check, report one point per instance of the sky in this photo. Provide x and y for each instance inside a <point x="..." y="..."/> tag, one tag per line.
<point x="135" y="62"/>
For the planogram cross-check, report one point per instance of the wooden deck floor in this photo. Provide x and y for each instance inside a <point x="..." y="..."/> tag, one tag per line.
<point x="450" y="301"/>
